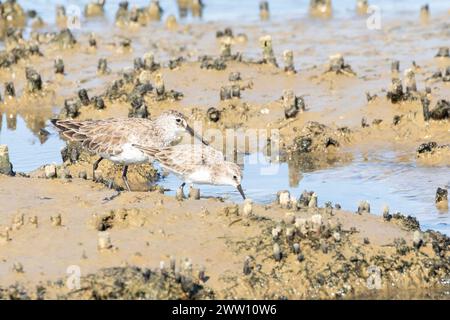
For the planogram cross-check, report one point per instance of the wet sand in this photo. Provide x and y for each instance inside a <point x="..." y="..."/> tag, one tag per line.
<point x="148" y="227"/>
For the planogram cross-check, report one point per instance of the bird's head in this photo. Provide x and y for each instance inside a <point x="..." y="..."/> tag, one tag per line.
<point x="176" y="123"/>
<point x="230" y="174"/>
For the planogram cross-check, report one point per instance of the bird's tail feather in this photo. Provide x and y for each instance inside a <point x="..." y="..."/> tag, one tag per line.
<point x="69" y="129"/>
<point x="148" y="150"/>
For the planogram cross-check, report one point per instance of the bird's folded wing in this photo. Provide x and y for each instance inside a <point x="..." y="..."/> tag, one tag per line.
<point x="150" y="151"/>
<point x="165" y="157"/>
<point x="183" y="158"/>
<point x="98" y="136"/>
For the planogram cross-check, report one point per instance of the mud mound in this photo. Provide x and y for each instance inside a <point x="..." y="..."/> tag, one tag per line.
<point x="78" y="164"/>
<point x="125" y="283"/>
<point x="311" y="254"/>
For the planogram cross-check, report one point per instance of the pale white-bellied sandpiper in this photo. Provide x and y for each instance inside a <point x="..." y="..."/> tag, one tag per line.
<point x="114" y="139"/>
<point x="197" y="163"/>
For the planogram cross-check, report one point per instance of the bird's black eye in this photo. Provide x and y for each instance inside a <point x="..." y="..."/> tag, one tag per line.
<point x="234" y="177"/>
<point x="178" y="120"/>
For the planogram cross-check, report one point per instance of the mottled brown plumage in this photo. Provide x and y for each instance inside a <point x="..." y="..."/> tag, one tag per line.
<point x="197" y="163"/>
<point x="108" y="136"/>
<point x="113" y="139"/>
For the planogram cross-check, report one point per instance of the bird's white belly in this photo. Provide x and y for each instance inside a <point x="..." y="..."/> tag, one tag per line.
<point x="201" y="176"/>
<point x="129" y="155"/>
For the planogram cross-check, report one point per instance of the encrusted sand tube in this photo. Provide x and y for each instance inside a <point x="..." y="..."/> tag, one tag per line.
<point x="95" y="8"/>
<point x="264" y="12"/>
<point x="268" y="54"/>
<point x="321" y="8"/>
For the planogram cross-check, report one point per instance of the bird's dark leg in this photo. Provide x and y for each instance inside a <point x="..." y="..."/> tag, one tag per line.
<point x="180" y="193"/>
<point x="124" y="177"/>
<point x="95" y="166"/>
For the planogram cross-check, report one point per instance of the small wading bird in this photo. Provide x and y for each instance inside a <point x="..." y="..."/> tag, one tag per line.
<point x="196" y="163"/>
<point x="114" y="139"/>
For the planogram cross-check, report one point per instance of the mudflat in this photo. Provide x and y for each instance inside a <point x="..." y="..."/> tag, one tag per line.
<point x="336" y="93"/>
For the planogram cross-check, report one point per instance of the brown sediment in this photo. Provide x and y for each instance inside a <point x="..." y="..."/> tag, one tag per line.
<point x="333" y="258"/>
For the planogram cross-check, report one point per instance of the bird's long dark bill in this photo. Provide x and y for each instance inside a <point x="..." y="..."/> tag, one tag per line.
<point x="239" y="187"/>
<point x="194" y="134"/>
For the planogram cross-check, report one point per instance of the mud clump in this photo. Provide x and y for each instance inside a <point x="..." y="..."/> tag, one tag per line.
<point x="12" y="15"/>
<point x="121" y="218"/>
<point x="227" y="32"/>
<point x="193" y="6"/>
<point x="220" y="63"/>
<point x="13" y="55"/>
<point x="338" y="66"/>
<point x="5" y="165"/>
<point x="362" y="6"/>
<point x="268" y="55"/>
<point x="94" y="9"/>
<point x="59" y="66"/>
<point x="407" y="222"/>
<point x="329" y="264"/>
<point x="395" y="92"/>
<point x="213" y="114"/>
<point x="175" y="63"/>
<point x="443" y="52"/>
<point x="133" y="87"/>
<point x="127" y="283"/>
<point x="427" y="147"/>
<point x="264" y="12"/>
<point x="84" y="97"/>
<point x="442" y="75"/>
<point x="230" y="92"/>
<point x="320" y="8"/>
<point x="154" y="10"/>
<point x="317" y="137"/>
<point x="161" y="93"/>
<point x="138" y="109"/>
<point x="78" y="162"/>
<point x="64" y="39"/>
<point x="288" y="57"/>
<point x="441" y="198"/>
<point x="10" y="91"/>
<point x="315" y="146"/>
<point x="441" y="195"/>
<point x="440" y="112"/>
<point x="137" y="16"/>
<point x="433" y="153"/>
<point x="34" y="83"/>
<point x="50" y="171"/>
<point x="102" y="66"/>
<point x="211" y="63"/>
<point x="71" y="153"/>
<point x="149" y="62"/>
<point x="407" y="91"/>
<point x="71" y="108"/>
<point x="292" y="104"/>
